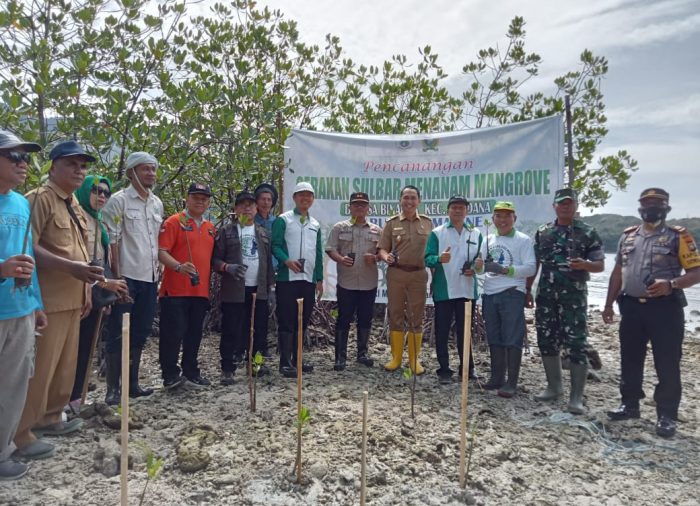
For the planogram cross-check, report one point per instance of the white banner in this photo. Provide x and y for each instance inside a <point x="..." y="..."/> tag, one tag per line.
<point x="522" y="163"/>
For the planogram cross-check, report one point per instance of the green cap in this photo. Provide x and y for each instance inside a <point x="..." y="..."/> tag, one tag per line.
<point x="504" y="206"/>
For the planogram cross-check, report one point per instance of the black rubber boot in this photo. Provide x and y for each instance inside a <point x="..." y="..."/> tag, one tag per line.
<point x="341" y="349"/>
<point x="287" y="369"/>
<point x="135" y="389"/>
<point x="498" y="368"/>
<point x="363" y="347"/>
<point x="305" y="366"/>
<point x="514" y="357"/>
<point x="113" y="365"/>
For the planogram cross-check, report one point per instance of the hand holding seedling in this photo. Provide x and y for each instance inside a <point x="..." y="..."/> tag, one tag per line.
<point x="236" y="270"/>
<point x="578" y="264"/>
<point x="86" y="272"/>
<point x="294" y="266"/>
<point x="18" y="266"/>
<point x="187" y="268"/>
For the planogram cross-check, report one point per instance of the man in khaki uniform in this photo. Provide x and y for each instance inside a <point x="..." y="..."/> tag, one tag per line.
<point x="59" y="229"/>
<point x="402" y="247"/>
<point x="353" y="245"/>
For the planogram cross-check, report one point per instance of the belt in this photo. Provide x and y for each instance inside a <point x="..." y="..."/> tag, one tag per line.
<point x="407" y="268"/>
<point x="644" y="300"/>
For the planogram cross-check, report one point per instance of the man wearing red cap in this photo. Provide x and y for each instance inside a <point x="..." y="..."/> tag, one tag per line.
<point x="647" y="283"/>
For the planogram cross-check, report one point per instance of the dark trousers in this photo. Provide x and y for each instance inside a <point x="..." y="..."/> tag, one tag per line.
<point x="235" y="328"/>
<point x="143" y="310"/>
<point x="661" y="322"/>
<point x="504" y="315"/>
<point x="87" y="330"/>
<point x="181" y="320"/>
<point x="445" y="311"/>
<point x="351" y="302"/>
<point x="287" y="294"/>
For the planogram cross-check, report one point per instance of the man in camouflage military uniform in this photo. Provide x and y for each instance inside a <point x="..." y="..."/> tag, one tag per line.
<point x="568" y="250"/>
<point x="648" y="286"/>
<point x="402" y="247"/>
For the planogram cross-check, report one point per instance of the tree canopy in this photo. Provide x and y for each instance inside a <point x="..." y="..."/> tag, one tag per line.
<point x="215" y="96"/>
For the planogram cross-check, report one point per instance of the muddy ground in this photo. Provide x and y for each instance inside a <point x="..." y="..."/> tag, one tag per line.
<point x="525" y="452"/>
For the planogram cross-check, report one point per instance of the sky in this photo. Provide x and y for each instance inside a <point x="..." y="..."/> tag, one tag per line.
<point x="652" y="89"/>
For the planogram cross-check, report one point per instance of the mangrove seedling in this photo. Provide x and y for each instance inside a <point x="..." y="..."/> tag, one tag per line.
<point x="153" y="467"/>
<point x="303" y="418"/>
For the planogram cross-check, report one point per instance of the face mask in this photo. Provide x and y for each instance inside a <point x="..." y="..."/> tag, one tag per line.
<point x="653" y="214"/>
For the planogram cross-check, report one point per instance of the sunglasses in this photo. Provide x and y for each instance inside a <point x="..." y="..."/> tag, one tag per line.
<point x="17" y="157"/>
<point x="100" y="191"/>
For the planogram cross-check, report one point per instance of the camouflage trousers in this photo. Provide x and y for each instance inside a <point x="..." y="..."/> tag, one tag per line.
<point x="561" y="319"/>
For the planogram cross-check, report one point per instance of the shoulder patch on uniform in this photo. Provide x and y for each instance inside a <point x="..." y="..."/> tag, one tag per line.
<point x="678" y="228"/>
<point x="633" y="228"/>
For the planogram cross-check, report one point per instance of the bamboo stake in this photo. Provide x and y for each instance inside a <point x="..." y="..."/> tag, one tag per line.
<point x="363" y="462"/>
<point x="125" y="409"/>
<point x="93" y="346"/>
<point x="251" y="388"/>
<point x="465" y="391"/>
<point x="300" y="343"/>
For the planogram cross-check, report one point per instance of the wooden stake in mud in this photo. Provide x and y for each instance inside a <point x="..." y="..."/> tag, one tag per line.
<point x="363" y="463"/>
<point x="467" y="346"/>
<point x="91" y="356"/>
<point x="300" y="347"/>
<point x="125" y="409"/>
<point x="250" y="356"/>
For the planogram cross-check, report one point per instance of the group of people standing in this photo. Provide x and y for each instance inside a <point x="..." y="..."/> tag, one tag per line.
<point x="73" y="253"/>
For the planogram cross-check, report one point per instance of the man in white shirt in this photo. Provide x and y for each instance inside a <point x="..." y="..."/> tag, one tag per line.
<point x="133" y="217"/>
<point x="451" y="251"/>
<point x="510" y="260"/>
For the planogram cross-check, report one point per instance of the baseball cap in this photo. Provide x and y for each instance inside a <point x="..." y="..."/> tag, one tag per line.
<point x="457" y="199"/>
<point x="564" y="194"/>
<point x="654" y="193"/>
<point x="69" y="148"/>
<point x="504" y="206"/>
<point x="266" y="188"/>
<point x="359" y="197"/>
<point x="199" y="188"/>
<point x="303" y="187"/>
<point x="243" y="196"/>
<point x="8" y="140"/>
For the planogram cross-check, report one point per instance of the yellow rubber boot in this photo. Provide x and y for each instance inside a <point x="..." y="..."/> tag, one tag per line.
<point x="396" y="340"/>
<point x="412" y="355"/>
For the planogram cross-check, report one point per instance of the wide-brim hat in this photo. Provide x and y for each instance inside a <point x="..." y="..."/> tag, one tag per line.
<point x="8" y="140"/>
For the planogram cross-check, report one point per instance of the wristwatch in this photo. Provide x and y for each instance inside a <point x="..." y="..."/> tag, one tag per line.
<point x="674" y="284"/>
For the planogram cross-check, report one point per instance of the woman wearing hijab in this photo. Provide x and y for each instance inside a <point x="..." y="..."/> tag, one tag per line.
<point x="92" y="196"/>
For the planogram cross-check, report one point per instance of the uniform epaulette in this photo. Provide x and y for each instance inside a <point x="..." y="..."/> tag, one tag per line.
<point x="678" y="228"/>
<point x="633" y="228"/>
<point x="425" y="216"/>
<point x="396" y="216"/>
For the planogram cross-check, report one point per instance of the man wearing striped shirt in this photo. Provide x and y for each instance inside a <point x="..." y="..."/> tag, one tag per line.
<point x="451" y="251"/>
